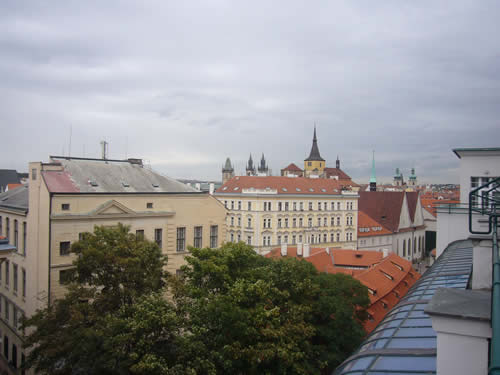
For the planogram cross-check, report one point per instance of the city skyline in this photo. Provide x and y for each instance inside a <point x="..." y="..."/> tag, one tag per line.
<point x="186" y="85"/>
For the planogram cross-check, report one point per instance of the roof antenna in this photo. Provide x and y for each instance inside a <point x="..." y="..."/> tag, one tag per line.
<point x="70" y="133"/>
<point x="104" y="149"/>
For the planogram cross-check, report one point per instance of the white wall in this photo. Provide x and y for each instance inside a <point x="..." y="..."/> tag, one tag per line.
<point x="480" y="164"/>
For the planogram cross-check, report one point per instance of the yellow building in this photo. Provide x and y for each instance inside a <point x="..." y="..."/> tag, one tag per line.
<point x="68" y="197"/>
<point x="268" y="211"/>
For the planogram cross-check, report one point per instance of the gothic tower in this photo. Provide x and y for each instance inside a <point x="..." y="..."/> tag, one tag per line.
<point x="263" y="168"/>
<point x="373" y="178"/>
<point x="314" y="165"/>
<point x="227" y="171"/>
<point x="250" y="167"/>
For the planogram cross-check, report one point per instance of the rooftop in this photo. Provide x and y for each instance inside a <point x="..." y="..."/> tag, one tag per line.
<point x="15" y="199"/>
<point x="81" y="175"/>
<point x="404" y="342"/>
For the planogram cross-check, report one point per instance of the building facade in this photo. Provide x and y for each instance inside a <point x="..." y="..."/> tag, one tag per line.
<point x="68" y="197"/>
<point x="270" y="211"/>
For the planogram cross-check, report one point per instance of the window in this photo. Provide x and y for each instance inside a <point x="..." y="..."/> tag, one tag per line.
<point x="7" y="275"/>
<point x="279" y="206"/>
<point x="295" y="206"/>
<point x="332" y="206"/>
<point x="139" y="234"/>
<point x="232" y="205"/>
<point x="181" y="239"/>
<point x="325" y="222"/>
<point x="332" y="237"/>
<point x="214" y="229"/>
<point x="232" y="221"/>
<point x="149" y="205"/>
<point x="249" y="240"/>
<point x="249" y="204"/>
<point x="239" y="205"/>
<point x="404" y="248"/>
<point x="16" y="235"/>
<point x="239" y="221"/>
<point x="249" y="222"/>
<point x="198" y="236"/>
<point x="279" y="240"/>
<point x="310" y="206"/>
<point x="1" y="229"/>
<point x="338" y="237"/>
<point x="319" y="221"/>
<point x="309" y="164"/>
<point x="285" y="239"/>
<point x="65" y="276"/>
<point x="300" y="238"/>
<point x="225" y="204"/>
<point x="294" y="239"/>
<point x="294" y="222"/>
<point x="319" y="206"/>
<point x="24" y="282"/>
<point x="332" y="221"/>
<point x="339" y="206"/>
<point x="301" y="222"/>
<point x="25" y="229"/>
<point x="7" y="308"/>
<point x="7" y="228"/>
<point x="310" y="222"/>
<point x="158" y="237"/>
<point x="239" y="237"/>
<point x="338" y="220"/>
<point x="279" y="222"/>
<point x="65" y="206"/>
<point x="14" y="275"/>
<point x="301" y="204"/>
<point x="286" y="222"/>
<point x="14" y="351"/>
<point x="325" y="237"/>
<point x="33" y="174"/>
<point x="6" y="346"/>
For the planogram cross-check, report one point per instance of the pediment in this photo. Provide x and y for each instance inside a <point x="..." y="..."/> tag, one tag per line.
<point x="112" y="207"/>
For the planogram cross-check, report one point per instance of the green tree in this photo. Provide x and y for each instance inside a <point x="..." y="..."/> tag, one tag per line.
<point x="249" y="314"/>
<point x="96" y="327"/>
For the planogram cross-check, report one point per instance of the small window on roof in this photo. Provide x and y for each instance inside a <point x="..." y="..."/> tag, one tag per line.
<point x="236" y="188"/>
<point x="298" y="189"/>
<point x="224" y="188"/>
<point x="93" y="182"/>
<point x="311" y="189"/>
<point x="125" y="184"/>
<point x="323" y="190"/>
<point x="155" y="185"/>
<point x="284" y="189"/>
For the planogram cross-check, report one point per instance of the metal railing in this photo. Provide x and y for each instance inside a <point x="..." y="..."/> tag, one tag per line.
<point x="486" y="200"/>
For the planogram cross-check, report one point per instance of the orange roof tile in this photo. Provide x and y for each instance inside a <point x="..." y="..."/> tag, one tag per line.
<point x="284" y="185"/>
<point x="368" y="227"/>
<point x="292" y="168"/>
<point x="13" y="186"/>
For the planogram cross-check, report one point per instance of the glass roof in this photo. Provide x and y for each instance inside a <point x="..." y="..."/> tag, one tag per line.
<point x="404" y="342"/>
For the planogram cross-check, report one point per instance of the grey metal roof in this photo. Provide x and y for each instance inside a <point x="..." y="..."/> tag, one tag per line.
<point x="314" y="155"/>
<point x="465" y="304"/>
<point x="8" y="176"/>
<point x="97" y="175"/>
<point x="404" y="342"/>
<point x="16" y="199"/>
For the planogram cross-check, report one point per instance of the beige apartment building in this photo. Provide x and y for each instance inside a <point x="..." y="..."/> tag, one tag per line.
<point x="267" y="211"/>
<point x="69" y="196"/>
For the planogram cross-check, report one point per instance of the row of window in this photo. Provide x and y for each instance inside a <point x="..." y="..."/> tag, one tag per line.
<point x="14" y="237"/>
<point x="319" y="238"/>
<point x="5" y="270"/>
<point x="11" y="356"/>
<point x="67" y="206"/>
<point x="6" y="306"/>
<point x="291" y="206"/>
<point x="198" y="237"/>
<point x="284" y="223"/>
<point x="407" y="245"/>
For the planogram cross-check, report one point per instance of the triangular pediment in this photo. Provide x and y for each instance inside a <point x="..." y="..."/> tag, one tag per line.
<point x="112" y="207"/>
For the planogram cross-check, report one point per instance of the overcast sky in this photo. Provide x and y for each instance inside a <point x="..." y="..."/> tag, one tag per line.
<point x="185" y="84"/>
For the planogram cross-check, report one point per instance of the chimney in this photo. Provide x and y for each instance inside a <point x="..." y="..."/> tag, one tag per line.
<point x="299" y="249"/>
<point x="385" y="253"/>
<point x="307" y="250"/>
<point x="104" y="149"/>
<point x="283" y="249"/>
<point x="327" y="250"/>
<point x="211" y="188"/>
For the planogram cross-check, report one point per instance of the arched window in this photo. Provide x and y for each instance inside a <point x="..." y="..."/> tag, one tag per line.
<point x="404" y="248"/>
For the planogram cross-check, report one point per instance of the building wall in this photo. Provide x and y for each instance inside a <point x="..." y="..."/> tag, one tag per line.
<point x="310" y="166"/>
<point x="409" y="245"/>
<point x="12" y="288"/>
<point x="264" y="230"/>
<point x="473" y="164"/>
<point x="376" y="243"/>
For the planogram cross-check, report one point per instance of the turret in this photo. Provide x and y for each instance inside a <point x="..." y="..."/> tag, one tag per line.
<point x="250" y="167"/>
<point x="227" y="171"/>
<point x="314" y="164"/>
<point x="263" y="169"/>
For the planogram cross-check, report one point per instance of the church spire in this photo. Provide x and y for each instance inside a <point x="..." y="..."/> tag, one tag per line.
<point x="373" y="178"/>
<point x="314" y="155"/>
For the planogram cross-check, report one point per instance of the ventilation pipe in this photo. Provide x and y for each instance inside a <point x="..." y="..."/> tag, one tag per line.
<point x="385" y="253"/>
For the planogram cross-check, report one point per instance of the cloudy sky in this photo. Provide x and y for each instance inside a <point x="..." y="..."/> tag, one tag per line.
<point x="185" y="84"/>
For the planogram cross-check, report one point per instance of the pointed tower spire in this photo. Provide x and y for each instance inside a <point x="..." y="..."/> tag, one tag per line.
<point x="373" y="178"/>
<point x="314" y="155"/>
<point x="337" y="163"/>
<point x="250" y="167"/>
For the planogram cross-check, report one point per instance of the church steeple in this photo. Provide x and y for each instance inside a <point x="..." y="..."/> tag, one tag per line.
<point x="262" y="168"/>
<point x="373" y="178"/>
<point x="314" y="155"/>
<point x="227" y="171"/>
<point x="250" y="167"/>
<point x="314" y="165"/>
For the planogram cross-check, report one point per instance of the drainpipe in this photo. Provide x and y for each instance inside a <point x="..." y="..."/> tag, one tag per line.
<point x="495" y="303"/>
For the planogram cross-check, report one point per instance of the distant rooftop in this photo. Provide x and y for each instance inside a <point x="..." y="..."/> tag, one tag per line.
<point x="15" y="199"/>
<point x="81" y="175"/>
<point x="404" y="342"/>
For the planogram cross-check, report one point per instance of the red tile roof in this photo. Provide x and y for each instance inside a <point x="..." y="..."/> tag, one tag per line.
<point x="382" y="206"/>
<point x="330" y="172"/>
<point x="412" y="199"/>
<point x="431" y="204"/>
<point x="13" y="186"/>
<point x="292" y="168"/>
<point x="285" y="185"/>
<point x="368" y="227"/>
<point x="388" y="279"/>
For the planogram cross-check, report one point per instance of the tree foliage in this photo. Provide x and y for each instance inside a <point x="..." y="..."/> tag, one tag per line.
<point x="231" y="312"/>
